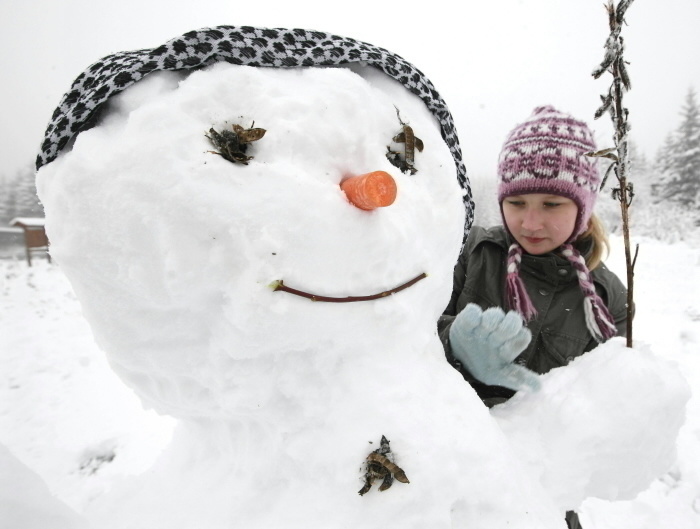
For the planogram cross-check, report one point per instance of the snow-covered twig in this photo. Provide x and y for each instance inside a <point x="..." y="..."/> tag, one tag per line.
<point x="615" y="64"/>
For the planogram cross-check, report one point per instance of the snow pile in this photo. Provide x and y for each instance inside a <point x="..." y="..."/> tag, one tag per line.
<point x="172" y="250"/>
<point x="25" y="500"/>
<point x="607" y="422"/>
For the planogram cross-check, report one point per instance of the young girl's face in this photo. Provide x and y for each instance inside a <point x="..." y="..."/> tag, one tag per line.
<point x="540" y="223"/>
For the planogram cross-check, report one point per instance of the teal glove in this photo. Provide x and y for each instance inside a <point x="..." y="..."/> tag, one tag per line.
<point x="487" y="342"/>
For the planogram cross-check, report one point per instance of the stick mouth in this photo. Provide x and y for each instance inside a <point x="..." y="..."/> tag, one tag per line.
<point x="279" y="286"/>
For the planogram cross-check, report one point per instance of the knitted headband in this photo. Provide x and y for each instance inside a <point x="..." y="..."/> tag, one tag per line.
<point x="279" y="48"/>
<point x="545" y="154"/>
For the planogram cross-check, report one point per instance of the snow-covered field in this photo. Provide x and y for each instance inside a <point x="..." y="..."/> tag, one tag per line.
<point x="65" y="414"/>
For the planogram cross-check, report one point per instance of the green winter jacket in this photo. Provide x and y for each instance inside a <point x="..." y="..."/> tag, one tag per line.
<point x="559" y="332"/>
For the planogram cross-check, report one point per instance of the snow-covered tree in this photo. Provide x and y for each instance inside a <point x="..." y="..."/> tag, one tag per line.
<point x="7" y="199"/>
<point x="650" y="212"/>
<point x="18" y="196"/>
<point x="642" y="173"/>
<point x="679" y="159"/>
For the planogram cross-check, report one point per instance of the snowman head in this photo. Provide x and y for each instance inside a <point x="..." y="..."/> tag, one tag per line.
<point x="175" y="251"/>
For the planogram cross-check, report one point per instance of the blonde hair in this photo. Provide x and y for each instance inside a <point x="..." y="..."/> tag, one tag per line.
<point x="600" y="245"/>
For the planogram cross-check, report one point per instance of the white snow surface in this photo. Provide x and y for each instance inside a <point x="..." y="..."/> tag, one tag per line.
<point x="613" y="378"/>
<point x="25" y="499"/>
<point x="274" y="401"/>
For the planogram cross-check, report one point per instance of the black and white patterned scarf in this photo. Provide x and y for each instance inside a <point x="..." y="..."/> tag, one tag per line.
<point x="278" y="48"/>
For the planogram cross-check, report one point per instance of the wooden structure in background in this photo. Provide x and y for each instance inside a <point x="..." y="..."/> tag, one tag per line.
<point x="35" y="240"/>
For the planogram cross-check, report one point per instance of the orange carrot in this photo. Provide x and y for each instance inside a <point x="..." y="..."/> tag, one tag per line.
<point x="369" y="191"/>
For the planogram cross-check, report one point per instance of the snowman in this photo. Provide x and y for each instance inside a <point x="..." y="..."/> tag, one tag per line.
<point x="261" y="227"/>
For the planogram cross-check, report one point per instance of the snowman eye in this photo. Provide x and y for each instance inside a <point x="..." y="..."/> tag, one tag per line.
<point x="233" y="144"/>
<point x="405" y="160"/>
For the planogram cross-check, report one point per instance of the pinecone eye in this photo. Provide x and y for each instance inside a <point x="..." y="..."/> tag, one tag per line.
<point x="405" y="160"/>
<point x="233" y="144"/>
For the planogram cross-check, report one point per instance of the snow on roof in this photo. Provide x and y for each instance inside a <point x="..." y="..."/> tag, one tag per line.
<point x="27" y="221"/>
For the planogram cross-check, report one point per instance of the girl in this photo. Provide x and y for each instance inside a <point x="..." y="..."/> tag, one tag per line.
<point x="544" y="265"/>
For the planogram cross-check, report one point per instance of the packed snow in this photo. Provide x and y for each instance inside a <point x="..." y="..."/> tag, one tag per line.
<point x="271" y="402"/>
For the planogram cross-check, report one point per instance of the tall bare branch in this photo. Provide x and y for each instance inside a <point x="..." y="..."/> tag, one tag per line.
<point x="612" y="103"/>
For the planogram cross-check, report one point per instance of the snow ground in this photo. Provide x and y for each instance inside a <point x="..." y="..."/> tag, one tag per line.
<point x="65" y="414"/>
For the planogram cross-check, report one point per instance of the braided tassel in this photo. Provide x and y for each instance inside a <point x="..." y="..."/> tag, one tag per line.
<point x="515" y="288"/>
<point x="599" y="321"/>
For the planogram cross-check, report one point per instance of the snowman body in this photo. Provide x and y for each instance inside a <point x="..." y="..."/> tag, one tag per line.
<point x="174" y="252"/>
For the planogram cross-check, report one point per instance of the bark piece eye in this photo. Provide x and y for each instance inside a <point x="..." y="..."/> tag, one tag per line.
<point x="405" y="160"/>
<point x="233" y="144"/>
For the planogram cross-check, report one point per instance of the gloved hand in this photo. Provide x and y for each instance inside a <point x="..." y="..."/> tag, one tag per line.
<point x="487" y="342"/>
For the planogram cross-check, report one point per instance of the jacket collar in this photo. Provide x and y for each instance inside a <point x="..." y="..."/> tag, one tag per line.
<point x="550" y="267"/>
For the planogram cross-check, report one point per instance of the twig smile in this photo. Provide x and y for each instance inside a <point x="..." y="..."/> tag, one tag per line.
<point x="279" y="286"/>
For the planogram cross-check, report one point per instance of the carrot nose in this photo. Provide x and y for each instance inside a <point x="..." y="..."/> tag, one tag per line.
<point x="370" y="191"/>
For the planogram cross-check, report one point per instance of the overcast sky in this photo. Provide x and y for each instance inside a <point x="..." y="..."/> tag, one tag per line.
<point x="492" y="61"/>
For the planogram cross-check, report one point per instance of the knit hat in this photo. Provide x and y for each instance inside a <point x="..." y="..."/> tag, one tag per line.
<point x="261" y="47"/>
<point x="546" y="154"/>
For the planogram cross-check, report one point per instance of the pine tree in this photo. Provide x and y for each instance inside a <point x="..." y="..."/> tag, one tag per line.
<point x="642" y="174"/>
<point x="679" y="159"/>
<point x="28" y="204"/>
<point x="18" y="196"/>
<point x="6" y="200"/>
<point x="663" y="164"/>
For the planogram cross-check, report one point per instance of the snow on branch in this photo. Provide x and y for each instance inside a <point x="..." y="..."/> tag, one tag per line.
<point x="612" y="103"/>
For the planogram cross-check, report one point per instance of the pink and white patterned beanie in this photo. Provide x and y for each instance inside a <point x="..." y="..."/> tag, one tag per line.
<point x="546" y="154"/>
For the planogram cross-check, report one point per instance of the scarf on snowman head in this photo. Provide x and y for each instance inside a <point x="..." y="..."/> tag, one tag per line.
<point x="277" y="48"/>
